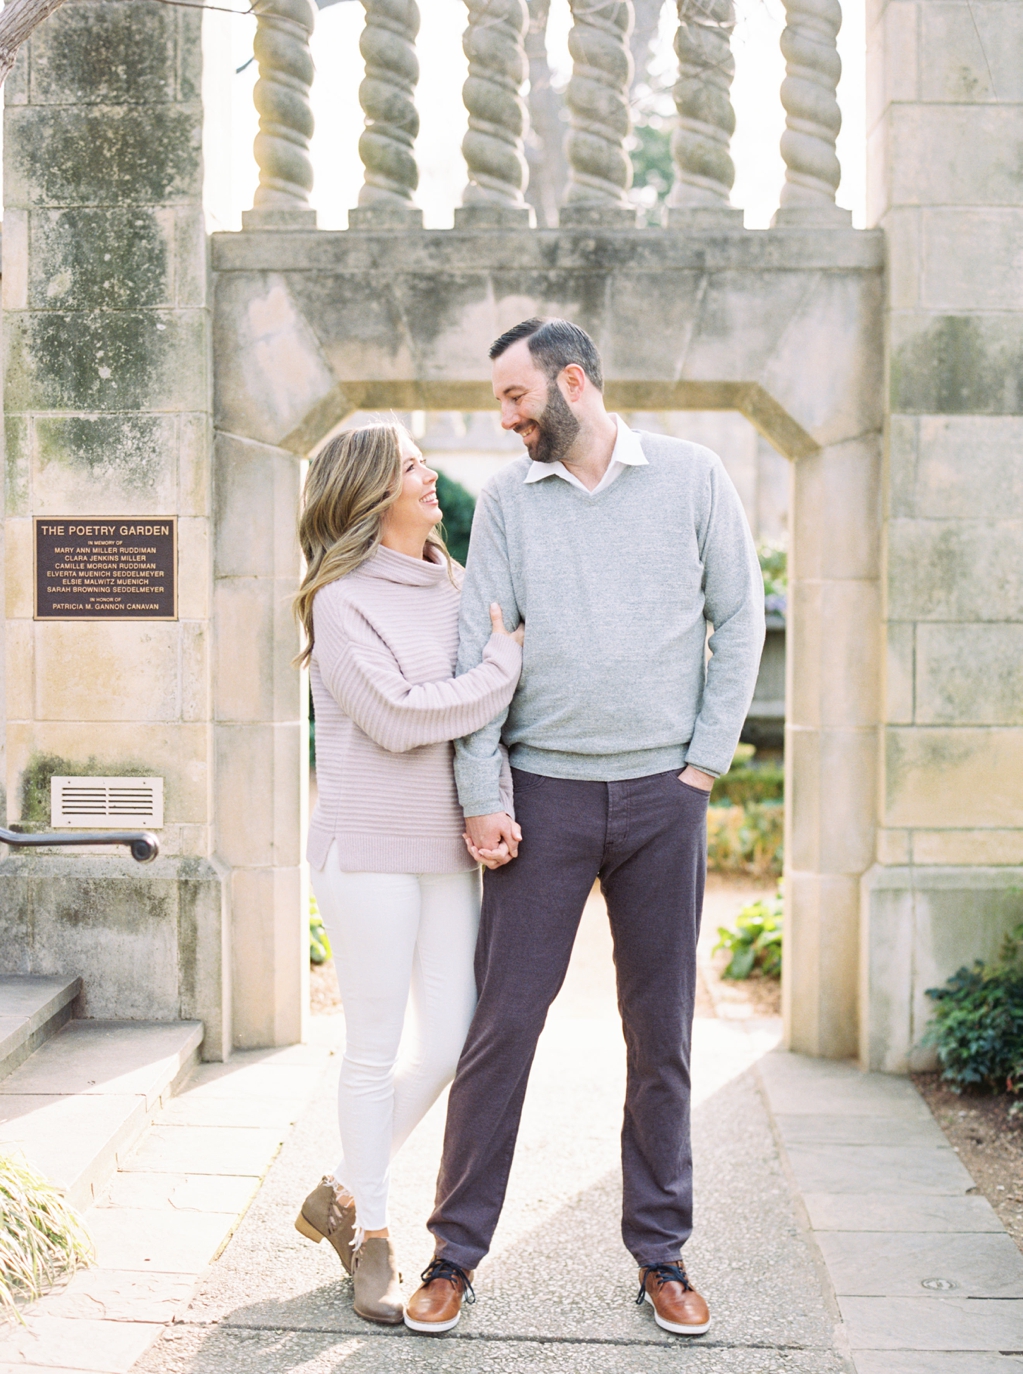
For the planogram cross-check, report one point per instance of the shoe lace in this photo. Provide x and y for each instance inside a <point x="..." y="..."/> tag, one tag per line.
<point x="443" y="1269"/>
<point x="662" y="1273"/>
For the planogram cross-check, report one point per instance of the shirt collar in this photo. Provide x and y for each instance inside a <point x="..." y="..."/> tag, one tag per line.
<point x="627" y="450"/>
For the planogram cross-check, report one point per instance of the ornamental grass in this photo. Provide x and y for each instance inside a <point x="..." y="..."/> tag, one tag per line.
<point x="42" y="1239"/>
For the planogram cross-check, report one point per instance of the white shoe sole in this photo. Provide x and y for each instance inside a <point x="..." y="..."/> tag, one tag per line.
<point x="676" y="1328"/>
<point x="431" y="1328"/>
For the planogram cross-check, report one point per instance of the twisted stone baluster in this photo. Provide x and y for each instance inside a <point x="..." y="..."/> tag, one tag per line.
<point x="281" y="95"/>
<point x="493" y="147"/>
<point x="600" y="172"/>
<point x="392" y="121"/>
<point x="706" y="121"/>
<point x="812" y="116"/>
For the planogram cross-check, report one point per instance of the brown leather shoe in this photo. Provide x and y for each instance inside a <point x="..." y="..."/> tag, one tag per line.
<point x="323" y="1218"/>
<point x="437" y="1305"/>
<point x="677" y="1305"/>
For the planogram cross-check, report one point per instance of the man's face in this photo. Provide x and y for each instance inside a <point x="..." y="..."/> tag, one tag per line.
<point x="532" y="405"/>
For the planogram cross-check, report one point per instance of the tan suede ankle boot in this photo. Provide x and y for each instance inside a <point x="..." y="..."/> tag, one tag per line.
<point x="377" y="1291"/>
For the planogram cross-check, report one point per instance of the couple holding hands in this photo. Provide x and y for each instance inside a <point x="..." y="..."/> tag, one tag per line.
<point x="580" y="745"/>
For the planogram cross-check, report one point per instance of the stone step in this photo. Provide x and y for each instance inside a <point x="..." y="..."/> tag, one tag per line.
<point x="31" y="1010"/>
<point x="76" y="1106"/>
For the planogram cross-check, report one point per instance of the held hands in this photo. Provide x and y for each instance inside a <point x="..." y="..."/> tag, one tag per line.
<point x="497" y="620"/>
<point x="492" y="840"/>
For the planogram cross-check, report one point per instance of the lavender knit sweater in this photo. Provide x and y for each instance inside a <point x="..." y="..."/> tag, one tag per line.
<point x="387" y="709"/>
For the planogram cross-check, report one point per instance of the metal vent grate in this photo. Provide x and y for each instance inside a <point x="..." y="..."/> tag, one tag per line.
<point x="106" y="803"/>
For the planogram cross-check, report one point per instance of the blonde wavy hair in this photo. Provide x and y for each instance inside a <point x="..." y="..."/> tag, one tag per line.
<point x="352" y="481"/>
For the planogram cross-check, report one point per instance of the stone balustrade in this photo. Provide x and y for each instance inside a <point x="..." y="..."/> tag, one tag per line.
<point x="597" y="103"/>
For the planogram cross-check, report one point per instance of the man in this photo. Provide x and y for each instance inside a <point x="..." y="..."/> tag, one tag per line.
<point x="617" y="549"/>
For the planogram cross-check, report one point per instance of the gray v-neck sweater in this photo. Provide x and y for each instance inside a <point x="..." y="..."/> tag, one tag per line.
<point x="617" y="591"/>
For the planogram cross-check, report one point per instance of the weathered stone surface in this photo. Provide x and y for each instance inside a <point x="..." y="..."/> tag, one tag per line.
<point x="957" y="570"/>
<point x="968" y="53"/>
<point x="105" y="360"/>
<point x="106" y="54"/>
<point x="942" y="466"/>
<point x="969" y="674"/>
<point x="119" y="464"/>
<point x="105" y="257"/>
<point x="102" y="155"/>
<point x="953" y="154"/>
<point x="978" y="769"/>
<point x="920" y="925"/>
<point x="983" y="279"/>
<point x="957" y="364"/>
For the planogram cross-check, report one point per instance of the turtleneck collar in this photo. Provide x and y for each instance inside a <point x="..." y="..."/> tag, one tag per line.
<point x="391" y="566"/>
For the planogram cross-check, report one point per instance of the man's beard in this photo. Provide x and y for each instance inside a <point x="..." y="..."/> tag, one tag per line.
<point x="557" y="427"/>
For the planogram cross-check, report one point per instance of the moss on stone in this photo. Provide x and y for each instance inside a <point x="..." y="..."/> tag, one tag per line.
<point x="106" y="53"/>
<point x="35" y="782"/>
<point x="127" y="451"/>
<point x="103" y="155"/>
<point x="104" y="360"/>
<point x="98" y="258"/>
<point x="960" y="365"/>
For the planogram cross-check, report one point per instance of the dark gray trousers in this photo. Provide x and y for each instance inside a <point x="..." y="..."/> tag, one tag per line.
<point x="645" y="839"/>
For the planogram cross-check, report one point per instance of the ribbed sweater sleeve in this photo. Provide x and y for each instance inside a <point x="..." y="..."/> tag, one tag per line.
<point x="364" y="677"/>
<point x="478" y="762"/>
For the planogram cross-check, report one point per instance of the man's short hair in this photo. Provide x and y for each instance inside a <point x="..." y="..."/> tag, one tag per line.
<point x="554" y="344"/>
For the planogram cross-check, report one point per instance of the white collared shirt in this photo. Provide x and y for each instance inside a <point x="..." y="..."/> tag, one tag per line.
<point x="627" y="452"/>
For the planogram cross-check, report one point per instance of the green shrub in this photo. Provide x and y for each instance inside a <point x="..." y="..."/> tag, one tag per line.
<point x="755" y="943"/>
<point x="978" y="1022"/>
<point x="774" y="564"/>
<point x="458" y="506"/>
<point x="746" y="839"/>
<point x="756" y="783"/>
<point x="41" y="1239"/>
<point x="319" y="940"/>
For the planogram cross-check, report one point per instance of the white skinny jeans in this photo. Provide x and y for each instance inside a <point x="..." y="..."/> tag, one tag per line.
<point x="400" y="940"/>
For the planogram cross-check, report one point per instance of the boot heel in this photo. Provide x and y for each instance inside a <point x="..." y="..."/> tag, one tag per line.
<point x="310" y="1232"/>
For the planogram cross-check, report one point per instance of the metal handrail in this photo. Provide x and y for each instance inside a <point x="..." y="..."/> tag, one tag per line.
<point x="143" y="844"/>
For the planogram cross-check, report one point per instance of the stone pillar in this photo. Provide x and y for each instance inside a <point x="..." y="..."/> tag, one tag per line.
<point x="387" y="96"/>
<point x="108" y="413"/>
<point x="706" y="121"/>
<point x="493" y="147"/>
<point x="944" y="111"/>
<point x="600" y="172"/>
<point x="831" y="731"/>
<point x="812" y="117"/>
<point x="281" y="95"/>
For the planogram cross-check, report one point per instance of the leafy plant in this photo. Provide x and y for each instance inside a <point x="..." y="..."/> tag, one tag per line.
<point x="755" y="943"/>
<point x="774" y="564"/>
<point x="319" y="940"/>
<point x="651" y="159"/>
<point x="746" y="839"/>
<point x="458" y="505"/>
<point x="42" y="1240"/>
<point x="977" y="1028"/>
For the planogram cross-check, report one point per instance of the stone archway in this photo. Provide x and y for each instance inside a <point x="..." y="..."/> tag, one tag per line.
<point x="784" y="326"/>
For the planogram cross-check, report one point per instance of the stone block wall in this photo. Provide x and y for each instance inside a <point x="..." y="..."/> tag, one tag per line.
<point x="107" y="408"/>
<point x="945" y="119"/>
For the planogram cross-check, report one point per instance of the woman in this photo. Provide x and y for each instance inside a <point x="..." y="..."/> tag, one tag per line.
<point x="396" y="889"/>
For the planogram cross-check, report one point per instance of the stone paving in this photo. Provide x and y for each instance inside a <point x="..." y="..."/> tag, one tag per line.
<point x="832" y="1221"/>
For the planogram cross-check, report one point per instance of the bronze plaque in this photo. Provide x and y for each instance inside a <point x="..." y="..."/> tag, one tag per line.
<point x="107" y="568"/>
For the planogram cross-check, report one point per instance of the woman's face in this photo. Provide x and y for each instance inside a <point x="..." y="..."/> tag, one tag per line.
<point x="416" y="510"/>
